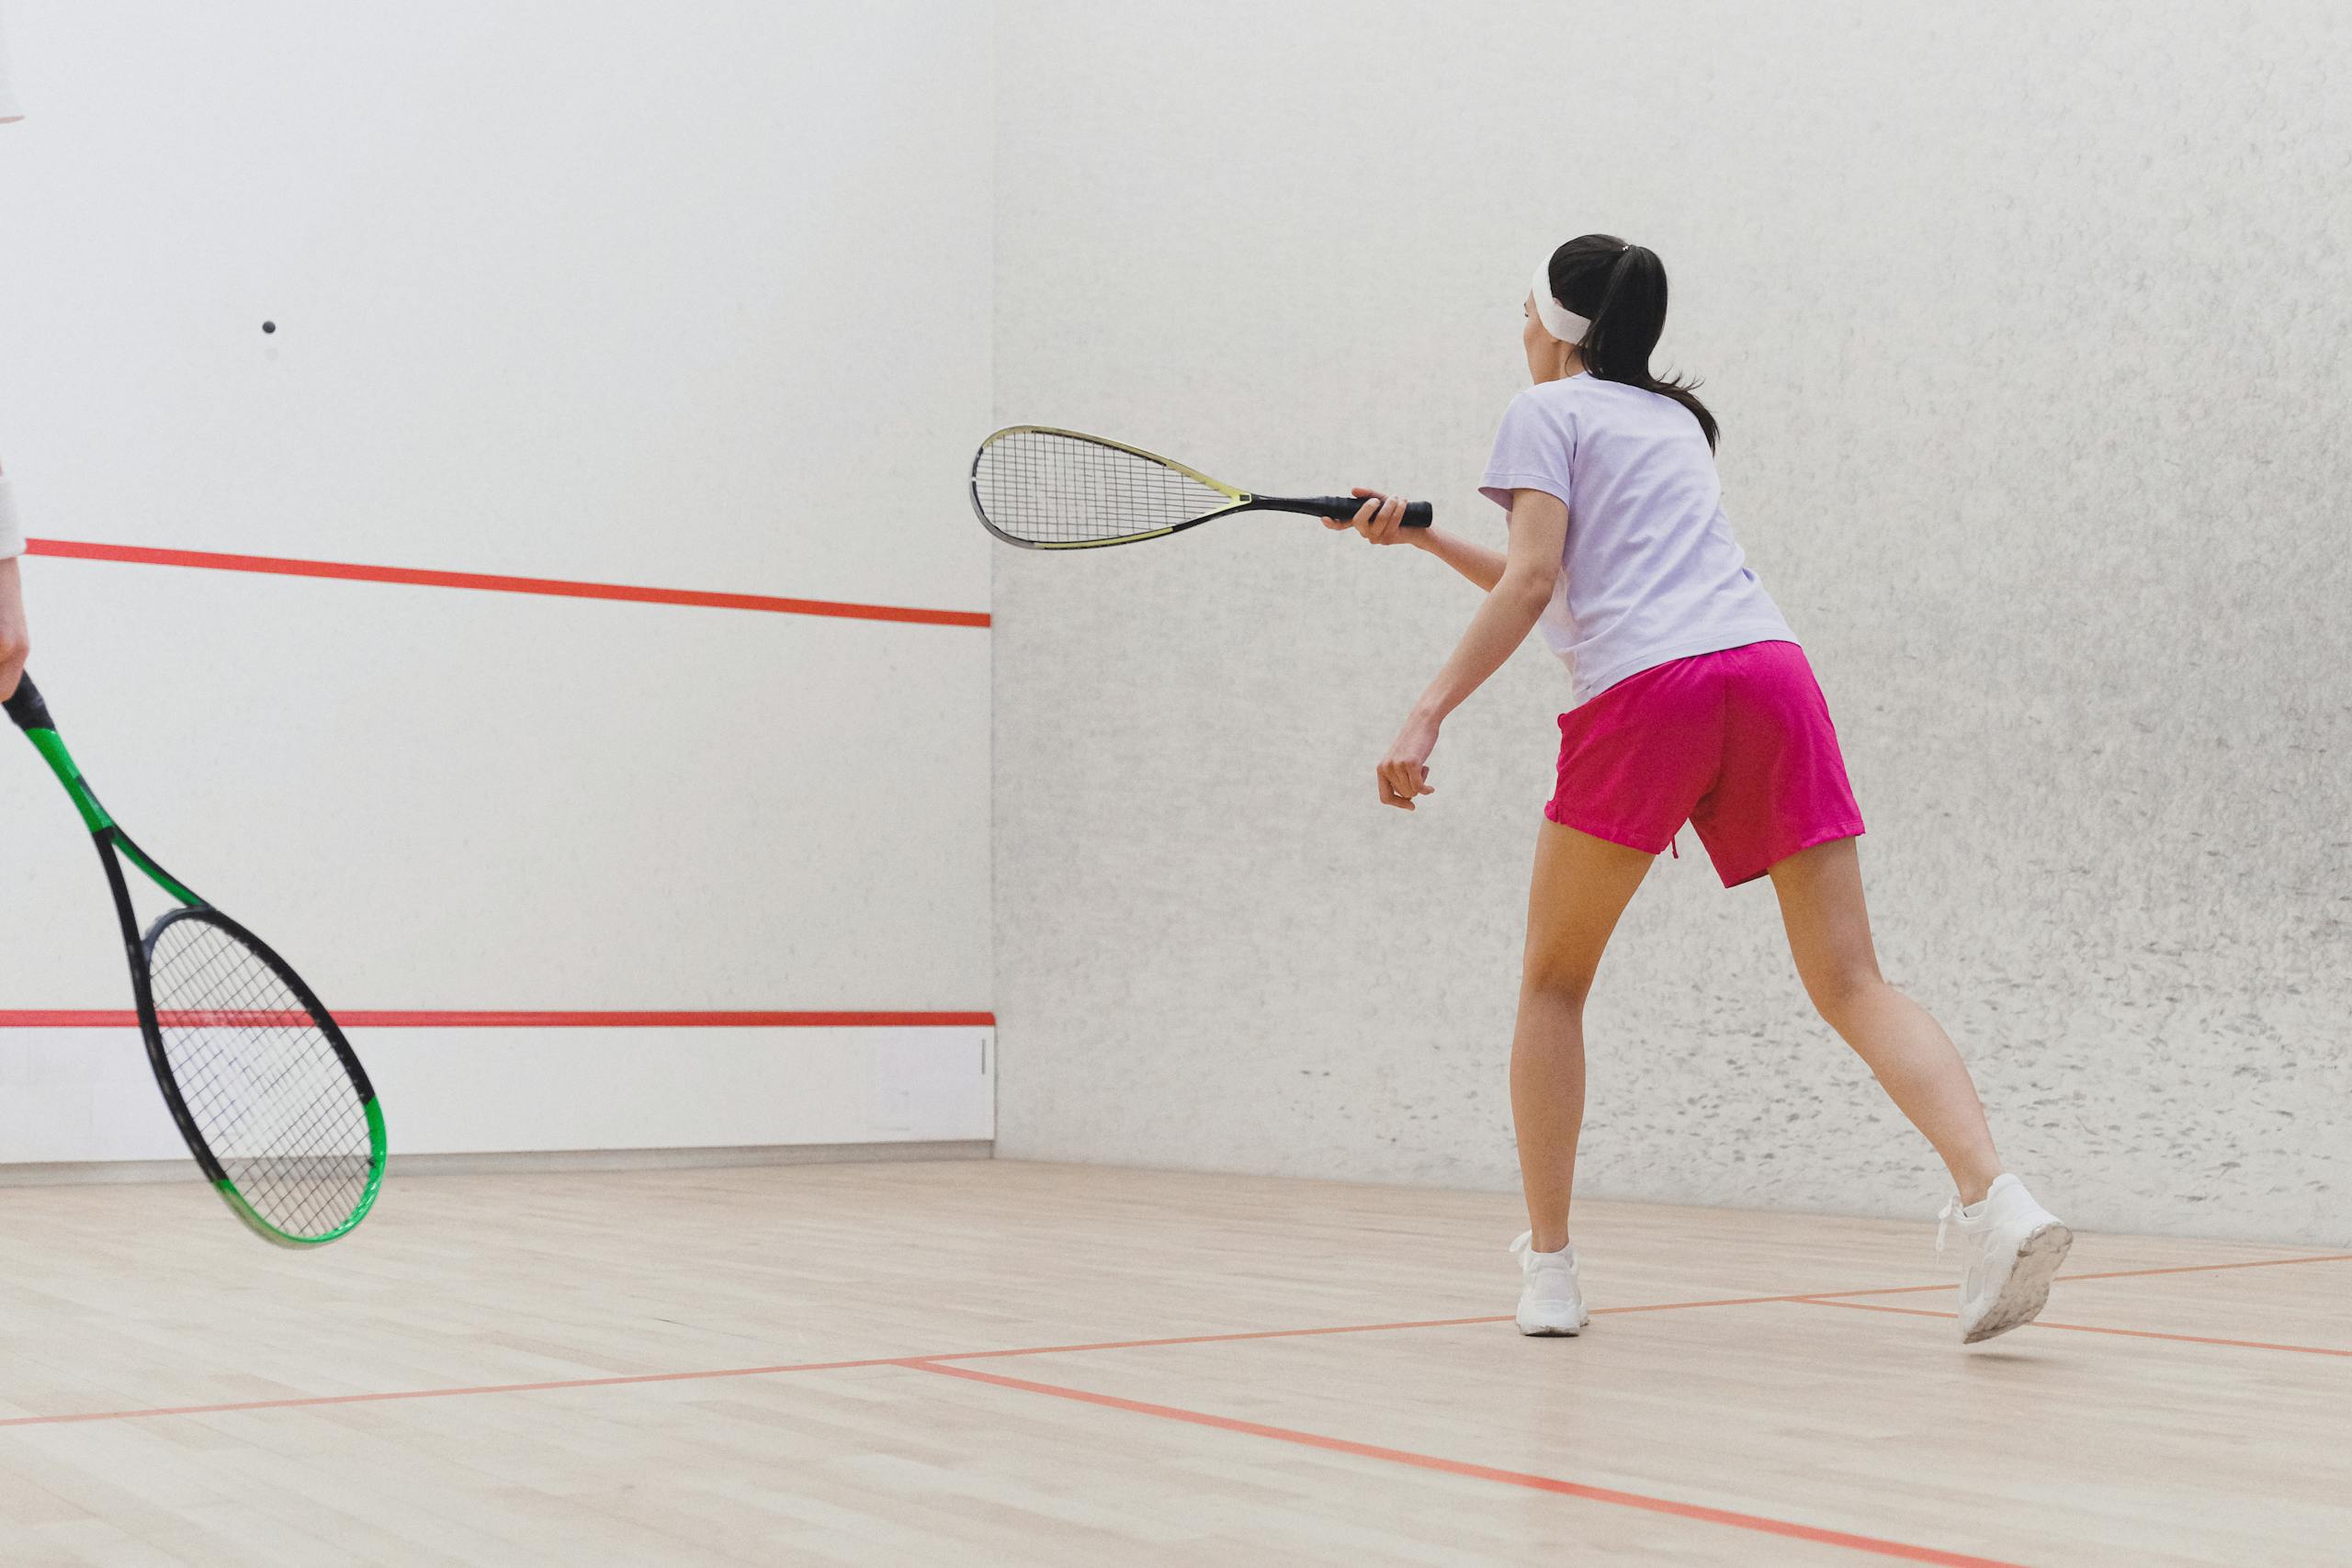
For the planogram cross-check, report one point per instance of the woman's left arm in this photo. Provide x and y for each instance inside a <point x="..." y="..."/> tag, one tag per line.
<point x="1539" y="529"/>
<point x="13" y="643"/>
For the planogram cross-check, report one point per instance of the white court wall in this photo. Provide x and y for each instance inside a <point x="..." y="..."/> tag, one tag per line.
<point x="690" y="297"/>
<point x="2028" y="331"/>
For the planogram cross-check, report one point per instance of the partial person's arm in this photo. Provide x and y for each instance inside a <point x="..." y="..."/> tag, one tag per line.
<point x="1476" y="563"/>
<point x="1539" y="530"/>
<point x="1380" y="521"/>
<point x="15" y="642"/>
<point x="10" y="110"/>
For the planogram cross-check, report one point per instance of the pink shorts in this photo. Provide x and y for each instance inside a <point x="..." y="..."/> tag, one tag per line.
<point x="1737" y="743"/>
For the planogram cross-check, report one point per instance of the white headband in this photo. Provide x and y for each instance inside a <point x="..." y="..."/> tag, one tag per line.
<point x="1557" y="318"/>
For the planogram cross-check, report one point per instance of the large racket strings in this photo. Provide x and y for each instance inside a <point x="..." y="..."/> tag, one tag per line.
<point x="1041" y="487"/>
<point x="265" y="1086"/>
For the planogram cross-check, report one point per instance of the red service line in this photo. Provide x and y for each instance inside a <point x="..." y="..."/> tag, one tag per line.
<point x="462" y="1018"/>
<point x="936" y="1361"/>
<point x="2097" y="1329"/>
<point x="277" y="566"/>
<point x="1758" y="1523"/>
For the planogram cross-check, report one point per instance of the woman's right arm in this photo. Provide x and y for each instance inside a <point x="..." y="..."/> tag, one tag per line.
<point x="1476" y="563"/>
<point x="1380" y="521"/>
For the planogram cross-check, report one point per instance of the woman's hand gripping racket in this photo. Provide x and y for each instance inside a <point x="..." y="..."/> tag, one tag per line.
<point x="1056" y="489"/>
<point x="275" y="1107"/>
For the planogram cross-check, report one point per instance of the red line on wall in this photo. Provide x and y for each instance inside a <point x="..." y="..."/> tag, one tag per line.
<point x="208" y="561"/>
<point x="477" y="1018"/>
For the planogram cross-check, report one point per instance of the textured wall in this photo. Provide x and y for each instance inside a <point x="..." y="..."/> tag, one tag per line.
<point x="2028" y="327"/>
<point x="565" y="288"/>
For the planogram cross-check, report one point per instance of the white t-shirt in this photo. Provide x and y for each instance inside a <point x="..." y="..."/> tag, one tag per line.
<point x="1650" y="572"/>
<point x="10" y="108"/>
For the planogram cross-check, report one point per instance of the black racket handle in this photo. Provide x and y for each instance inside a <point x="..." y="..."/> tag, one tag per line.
<point x="27" y="708"/>
<point x="1418" y="514"/>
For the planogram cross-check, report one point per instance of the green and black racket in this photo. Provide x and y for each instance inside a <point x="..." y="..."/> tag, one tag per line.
<point x="1055" y="490"/>
<point x="272" y="1103"/>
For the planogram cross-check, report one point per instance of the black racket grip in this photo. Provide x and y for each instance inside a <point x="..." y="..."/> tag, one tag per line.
<point x="27" y="708"/>
<point x="1418" y="514"/>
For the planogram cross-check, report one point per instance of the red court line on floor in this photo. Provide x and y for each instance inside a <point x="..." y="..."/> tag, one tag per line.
<point x="2097" y="1329"/>
<point x="1223" y="1338"/>
<point x="481" y="1018"/>
<point x="1725" y="1302"/>
<point x="306" y="1401"/>
<point x="2214" y="1268"/>
<point x="1823" y="1298"/>
<point x="1757" y="1523"/>
<point x="494" y="582"/>
<point x="302" y="1401"/>
<point x="2109" y="1274"/>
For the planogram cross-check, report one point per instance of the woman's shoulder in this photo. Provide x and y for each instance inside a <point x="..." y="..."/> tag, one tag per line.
<point x="1571" y="393"/>
<point x="1588" y="401"/>
<point x="1551" y="402"/>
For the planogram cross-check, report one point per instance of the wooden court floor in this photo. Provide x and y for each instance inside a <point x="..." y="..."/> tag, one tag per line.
<point x="998" y="1363"/>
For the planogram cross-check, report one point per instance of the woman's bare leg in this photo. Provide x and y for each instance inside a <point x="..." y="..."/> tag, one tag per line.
<point x="1581" y="885"/>
<point x="1914" y="1061"/>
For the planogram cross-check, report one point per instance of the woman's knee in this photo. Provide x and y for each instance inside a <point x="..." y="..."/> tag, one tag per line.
<point x="1841" y="994"/>
<point x="1556" y="979"/>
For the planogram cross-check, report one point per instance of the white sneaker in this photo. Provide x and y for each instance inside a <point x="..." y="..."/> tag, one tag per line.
<point x="1549" y="1301"/>
<point x="2014" y="1247"/>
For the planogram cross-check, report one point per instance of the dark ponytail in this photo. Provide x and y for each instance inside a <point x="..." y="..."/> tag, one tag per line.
<point x="1620" y="289"/>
